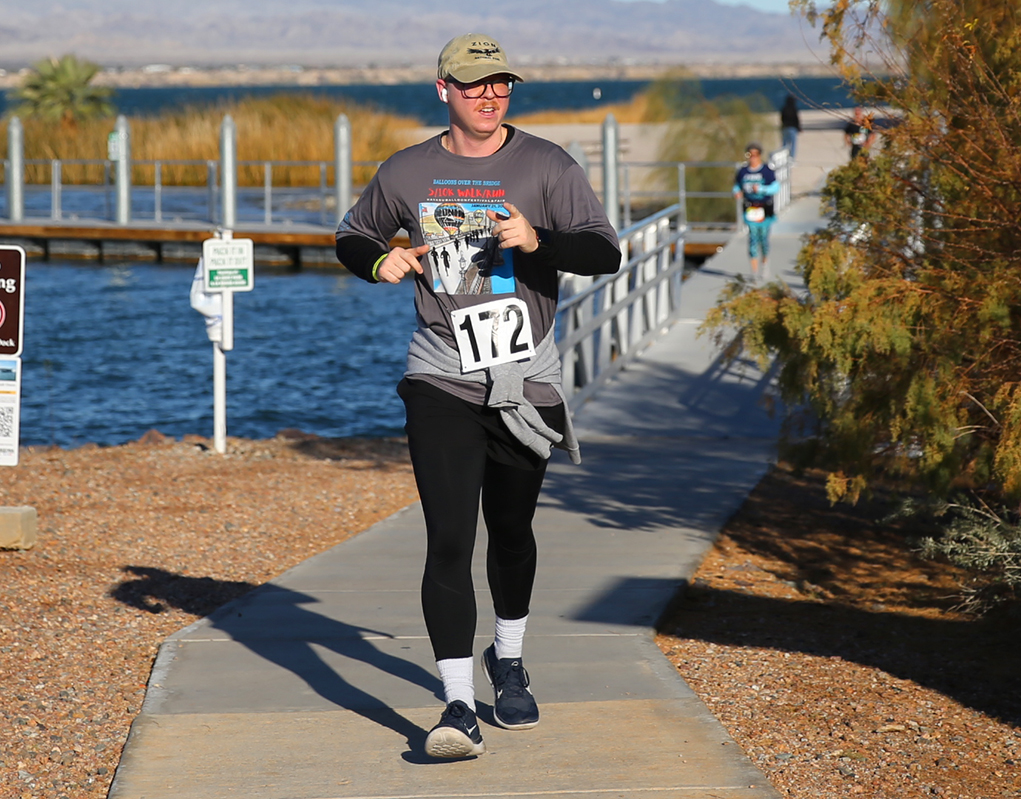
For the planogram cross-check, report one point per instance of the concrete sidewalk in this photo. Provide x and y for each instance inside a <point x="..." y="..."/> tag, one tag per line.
<point x="321" y="685"/>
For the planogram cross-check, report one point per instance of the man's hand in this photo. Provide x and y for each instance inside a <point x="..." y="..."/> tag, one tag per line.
<point x="514" y="230"/>
<point x="400" y="263"/>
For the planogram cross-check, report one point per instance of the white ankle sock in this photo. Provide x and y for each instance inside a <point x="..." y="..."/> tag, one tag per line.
<point x="510" y="635"/>
<point x="458" y="676"/>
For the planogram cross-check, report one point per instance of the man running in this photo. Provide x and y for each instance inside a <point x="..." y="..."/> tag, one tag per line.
<point x="482" y="388"/>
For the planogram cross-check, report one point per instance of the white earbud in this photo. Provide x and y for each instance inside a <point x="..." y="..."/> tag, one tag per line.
<point x="443" y="95"/>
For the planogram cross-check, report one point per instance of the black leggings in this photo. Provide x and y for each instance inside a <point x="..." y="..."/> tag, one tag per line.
<point x="460" y="450"/>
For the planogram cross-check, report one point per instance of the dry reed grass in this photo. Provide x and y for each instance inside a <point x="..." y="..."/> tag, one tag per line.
<point x="284" y="127"/>
<point x="641" y="108"/>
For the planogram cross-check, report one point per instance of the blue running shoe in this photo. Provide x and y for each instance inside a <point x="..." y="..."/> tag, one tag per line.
<point x="457" y="734"/>
<point x="514" y="708"/>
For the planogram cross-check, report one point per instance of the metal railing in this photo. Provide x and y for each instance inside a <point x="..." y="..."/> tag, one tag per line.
<point x="633" y="194"/>
<point x="604" y="322"/>
<point x="780" y="161"/>
<point x="221" y="183"/>
<point x="268" y="204"/>
<point x="275" y="203"/>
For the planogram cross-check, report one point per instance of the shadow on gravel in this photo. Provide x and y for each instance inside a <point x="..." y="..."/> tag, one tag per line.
<point x="865" y="595"/>
<point x="973" y="662"/>
<point x="380" y="451"/>
<point x="155" y="590"/>
<point x="273" y="623"/>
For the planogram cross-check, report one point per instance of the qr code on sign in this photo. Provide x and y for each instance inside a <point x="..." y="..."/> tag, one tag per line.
<point x="6" y="421"/>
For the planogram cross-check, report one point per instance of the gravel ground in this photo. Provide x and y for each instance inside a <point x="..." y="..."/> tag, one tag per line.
<point x="136" y="542"/>
<point x="812" y="633"/>
<point x="830" y="653"/>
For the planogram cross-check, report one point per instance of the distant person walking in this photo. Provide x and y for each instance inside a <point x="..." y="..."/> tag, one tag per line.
<point x="756" y="184"/>
<point x="859" y="134"/>
<point x="790" y="124"/>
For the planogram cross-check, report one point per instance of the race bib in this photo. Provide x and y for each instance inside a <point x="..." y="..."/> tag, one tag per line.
<point x="859" y="138"/>
<point x="493" y="333"/>
<point x="755" y="214"/>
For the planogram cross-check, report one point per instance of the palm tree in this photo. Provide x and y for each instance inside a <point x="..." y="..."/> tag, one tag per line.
<point x="58" y="89"/>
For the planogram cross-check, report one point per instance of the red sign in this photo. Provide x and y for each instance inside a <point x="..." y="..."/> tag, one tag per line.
<point x="12" y="299"/>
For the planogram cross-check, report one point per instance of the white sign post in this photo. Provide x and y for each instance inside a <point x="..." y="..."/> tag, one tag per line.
<point x="228" y="266"/>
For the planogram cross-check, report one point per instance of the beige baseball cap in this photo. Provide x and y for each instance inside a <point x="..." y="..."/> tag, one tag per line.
<point x="472" y="57"/>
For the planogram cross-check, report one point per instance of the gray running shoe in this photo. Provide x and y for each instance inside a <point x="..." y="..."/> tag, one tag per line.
<point x="514" y="708"/>
<point x="457" y="734"/>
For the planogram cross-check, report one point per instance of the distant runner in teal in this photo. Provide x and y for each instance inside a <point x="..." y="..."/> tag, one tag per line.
<point x="756" y="185"/>
<point x="494" y="214"/>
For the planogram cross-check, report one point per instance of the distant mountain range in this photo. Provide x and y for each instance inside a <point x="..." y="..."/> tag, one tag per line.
<point x="395" y="33"/>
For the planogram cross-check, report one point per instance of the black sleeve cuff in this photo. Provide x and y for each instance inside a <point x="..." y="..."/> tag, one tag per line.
<point x="359" y="254"/>
<point x="580" y="253"/>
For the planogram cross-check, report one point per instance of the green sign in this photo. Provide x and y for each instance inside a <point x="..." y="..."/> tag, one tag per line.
<point x="228" y="265"/>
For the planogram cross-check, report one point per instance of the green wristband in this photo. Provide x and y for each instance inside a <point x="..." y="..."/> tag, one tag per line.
<point x="375" y="266"/>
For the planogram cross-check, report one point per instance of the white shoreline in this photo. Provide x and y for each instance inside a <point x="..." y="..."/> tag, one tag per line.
<point x="166" y="75"/>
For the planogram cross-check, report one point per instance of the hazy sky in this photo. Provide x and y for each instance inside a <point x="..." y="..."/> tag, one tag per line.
<point x="774" y="6"/>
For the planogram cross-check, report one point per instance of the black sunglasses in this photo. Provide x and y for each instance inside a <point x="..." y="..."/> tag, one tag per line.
<point x="473" y="91"/>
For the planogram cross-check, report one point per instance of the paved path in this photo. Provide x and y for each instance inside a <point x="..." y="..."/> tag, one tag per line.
<point x="320" y="685"/>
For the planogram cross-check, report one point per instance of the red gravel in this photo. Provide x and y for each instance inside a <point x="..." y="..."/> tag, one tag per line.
<point x="136" y="542"/>
<point x="822" y="644"/>
<point x="828" y="651"/>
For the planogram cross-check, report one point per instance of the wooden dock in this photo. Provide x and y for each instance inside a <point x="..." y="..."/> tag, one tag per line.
<point x="286" y="245"/>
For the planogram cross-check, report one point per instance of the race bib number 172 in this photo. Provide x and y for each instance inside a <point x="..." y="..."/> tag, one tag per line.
<point x="493" y="333"/>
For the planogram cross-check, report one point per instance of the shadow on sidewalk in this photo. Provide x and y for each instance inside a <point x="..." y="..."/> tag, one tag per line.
<point x="272" y="622"/>
<point x="729" y="398"/>
<point x="645" y="485"/>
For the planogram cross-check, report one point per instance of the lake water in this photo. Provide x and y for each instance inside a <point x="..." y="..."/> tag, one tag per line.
<point x="114" y="350"/>
<point x="419" y="100"/>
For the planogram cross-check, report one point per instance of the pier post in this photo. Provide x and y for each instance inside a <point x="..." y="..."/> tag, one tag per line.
<point x="219" y="399"/>
<point x="56" y="189"/>
<point x="15" y="177"/>
<point x="611" y="188"/>
<point x="123" y="171"/>
<point x="682" y="195"/>
<point x="344" y="165"/>
<point x="228" y="172"/>
<point x="220" y="350"/>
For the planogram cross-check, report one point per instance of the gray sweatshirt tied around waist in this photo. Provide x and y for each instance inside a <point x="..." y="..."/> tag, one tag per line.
<point x="429" y="354"/>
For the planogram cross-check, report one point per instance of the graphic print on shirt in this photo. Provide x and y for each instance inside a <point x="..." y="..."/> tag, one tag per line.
<point x="752" y="183"/>
<point x="466" y="257"/>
